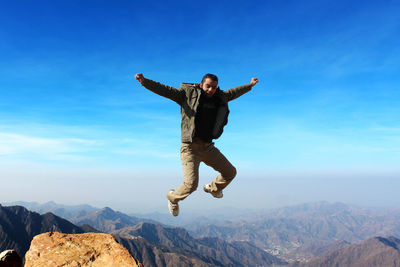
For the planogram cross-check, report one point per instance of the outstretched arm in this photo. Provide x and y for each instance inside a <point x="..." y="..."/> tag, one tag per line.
<point x="160" y="89"/>
<point x="235" y="92"/>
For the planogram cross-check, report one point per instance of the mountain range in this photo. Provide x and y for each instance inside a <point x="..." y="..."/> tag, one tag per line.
<point x="210" y="251"/>
<point x="152" y="244"/>
<point x="305" y="231"/>
<point x="376" y="251"/>
<point x="300" y="234"/>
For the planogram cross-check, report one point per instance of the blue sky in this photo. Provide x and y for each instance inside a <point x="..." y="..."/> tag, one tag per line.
<point x="322" y="124"/>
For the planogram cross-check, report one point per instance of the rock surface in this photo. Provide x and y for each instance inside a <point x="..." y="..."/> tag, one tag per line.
<point x="10" y="258"/>
<point x="90" y="249"/>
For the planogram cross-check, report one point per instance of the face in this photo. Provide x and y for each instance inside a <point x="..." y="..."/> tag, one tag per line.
<point x="209" y="87"/>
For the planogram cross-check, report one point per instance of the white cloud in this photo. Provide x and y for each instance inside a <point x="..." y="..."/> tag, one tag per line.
<point x="80" y="146"/>
<point x="17" y="144"/>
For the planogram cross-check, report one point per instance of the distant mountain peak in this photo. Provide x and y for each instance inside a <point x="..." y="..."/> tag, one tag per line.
<point x="108" y="210"/>
<point x="109" y="213"/>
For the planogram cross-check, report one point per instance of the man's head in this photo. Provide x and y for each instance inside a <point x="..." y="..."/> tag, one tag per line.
<point x="209" y="84"/>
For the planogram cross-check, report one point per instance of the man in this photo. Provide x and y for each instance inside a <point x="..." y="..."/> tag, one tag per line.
<point x="204" y="111"/>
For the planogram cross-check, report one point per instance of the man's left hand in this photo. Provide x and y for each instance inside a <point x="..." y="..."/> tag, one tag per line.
<point x="253" y="81"/>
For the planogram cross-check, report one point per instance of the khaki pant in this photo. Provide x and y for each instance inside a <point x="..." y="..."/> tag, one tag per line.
<point x="191" y="155"/>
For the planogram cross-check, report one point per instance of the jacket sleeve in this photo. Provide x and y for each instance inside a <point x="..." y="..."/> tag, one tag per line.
<point x="235" y="92"/>
<point x="164" y="90"/>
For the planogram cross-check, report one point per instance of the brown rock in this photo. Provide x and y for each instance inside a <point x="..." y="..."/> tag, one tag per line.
<point x="10" y="258"/>
<point x="90" y="249"/>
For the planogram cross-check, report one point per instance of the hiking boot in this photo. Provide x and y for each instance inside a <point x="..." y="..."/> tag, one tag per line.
<point x="207" y="188"/>
<point x="173" y="207"/>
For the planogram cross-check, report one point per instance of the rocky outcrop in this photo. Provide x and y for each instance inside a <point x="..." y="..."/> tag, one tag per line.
<point x="90" y="249"/>
<point x="10" y="258"/>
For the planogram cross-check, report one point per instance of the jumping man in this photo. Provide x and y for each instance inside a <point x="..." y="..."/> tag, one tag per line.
<point x="204" y="111"/>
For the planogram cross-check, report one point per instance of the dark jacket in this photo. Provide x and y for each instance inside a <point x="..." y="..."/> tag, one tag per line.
<point x="188" y="97"/>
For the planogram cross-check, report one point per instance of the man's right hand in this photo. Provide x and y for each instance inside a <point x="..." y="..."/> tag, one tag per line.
<point x="139" y="77"/>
